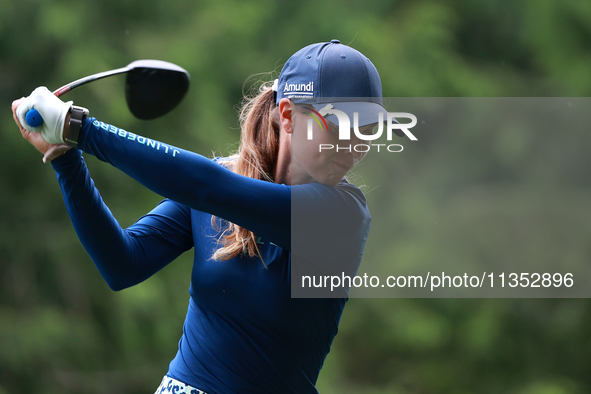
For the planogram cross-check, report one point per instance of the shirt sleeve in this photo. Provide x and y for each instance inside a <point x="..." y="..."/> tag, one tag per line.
<point x="193" y="180"/>
<point x="128" y="256"/>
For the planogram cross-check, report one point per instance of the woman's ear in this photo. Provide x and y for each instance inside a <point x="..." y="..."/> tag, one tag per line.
<point x="286" y="112"/>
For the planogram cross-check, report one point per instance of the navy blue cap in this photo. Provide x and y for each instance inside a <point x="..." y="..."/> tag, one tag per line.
<point x="330" y="72"/>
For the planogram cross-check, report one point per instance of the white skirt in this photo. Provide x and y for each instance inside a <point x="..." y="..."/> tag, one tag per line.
<point x="173" y="386"/>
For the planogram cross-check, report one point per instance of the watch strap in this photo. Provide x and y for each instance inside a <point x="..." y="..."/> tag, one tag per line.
<point x="77" y="114"/>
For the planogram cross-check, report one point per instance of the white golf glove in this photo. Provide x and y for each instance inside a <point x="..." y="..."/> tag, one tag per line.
<point x="52" y="110"/>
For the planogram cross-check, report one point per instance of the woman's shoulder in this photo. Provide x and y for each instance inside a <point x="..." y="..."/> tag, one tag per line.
<point x="343" y="189"/>
<point x="324" y="202"/>
<point x="347" y="187"/>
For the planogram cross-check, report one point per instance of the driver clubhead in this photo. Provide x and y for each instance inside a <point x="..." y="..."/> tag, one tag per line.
<point x="154" y="87"/>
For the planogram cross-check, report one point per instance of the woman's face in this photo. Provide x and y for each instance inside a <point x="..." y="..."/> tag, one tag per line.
<point x="324" y="158"/>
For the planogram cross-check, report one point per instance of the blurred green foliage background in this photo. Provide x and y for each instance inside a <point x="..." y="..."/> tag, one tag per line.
<point x="63" y="331"/>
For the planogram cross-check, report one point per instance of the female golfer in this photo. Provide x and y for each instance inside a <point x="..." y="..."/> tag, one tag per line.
<point x="244" y="332"/>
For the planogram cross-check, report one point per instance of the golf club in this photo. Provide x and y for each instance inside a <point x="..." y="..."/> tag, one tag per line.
<point x="152" y="88"/>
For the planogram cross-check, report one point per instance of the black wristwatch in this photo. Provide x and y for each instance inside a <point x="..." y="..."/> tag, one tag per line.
<point x="77" y="114"/>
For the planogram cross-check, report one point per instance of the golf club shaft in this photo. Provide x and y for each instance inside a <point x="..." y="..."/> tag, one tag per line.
<point x="33" y="117"/>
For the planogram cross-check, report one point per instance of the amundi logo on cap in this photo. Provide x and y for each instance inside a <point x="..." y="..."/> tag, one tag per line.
<point x="292" y="90"/>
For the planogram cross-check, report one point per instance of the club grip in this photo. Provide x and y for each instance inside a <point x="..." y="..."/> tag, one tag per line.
<point x="34" y="118"/>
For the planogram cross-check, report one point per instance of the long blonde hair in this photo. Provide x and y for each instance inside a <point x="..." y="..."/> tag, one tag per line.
<point x="256" y="158"/>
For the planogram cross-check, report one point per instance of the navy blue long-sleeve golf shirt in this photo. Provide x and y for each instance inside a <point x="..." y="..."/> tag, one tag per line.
<point x="243" y="332"/>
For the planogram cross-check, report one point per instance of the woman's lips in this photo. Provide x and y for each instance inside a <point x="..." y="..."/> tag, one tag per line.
<point x="342" y="166"/>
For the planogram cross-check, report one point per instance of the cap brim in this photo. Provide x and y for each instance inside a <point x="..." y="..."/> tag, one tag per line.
<point x="368" y="112"/>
